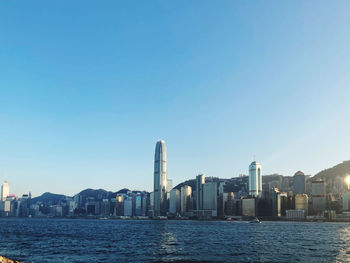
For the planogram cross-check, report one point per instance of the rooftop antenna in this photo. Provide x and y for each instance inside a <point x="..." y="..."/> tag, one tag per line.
<point x="254" y="158"/>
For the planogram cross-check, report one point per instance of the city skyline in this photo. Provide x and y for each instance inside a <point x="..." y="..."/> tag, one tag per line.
<point x="87" y="90"/>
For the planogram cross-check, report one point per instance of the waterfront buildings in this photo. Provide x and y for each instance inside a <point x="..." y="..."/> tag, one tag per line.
<point x="5" y="191"/>
<point x="255" y="179"/>
<point x="299" y="183"/>
<point x="160" y="180"/>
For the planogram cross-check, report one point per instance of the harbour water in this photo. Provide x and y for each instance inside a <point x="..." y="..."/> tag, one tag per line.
<point x="73" y="240"/>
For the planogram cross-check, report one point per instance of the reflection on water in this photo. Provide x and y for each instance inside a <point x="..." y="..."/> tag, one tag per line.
<point x="51" y="240"/>
<point x="342" y="243"/>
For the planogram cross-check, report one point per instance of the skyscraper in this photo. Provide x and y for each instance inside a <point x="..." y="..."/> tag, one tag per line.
<point x="5" y="191"/>
<point x="186" y="200"/>
<point x="255" y="179"/>
<point x="200" y="181"/>
<point x="160" y="180"/>
<point x="299" y="183"/>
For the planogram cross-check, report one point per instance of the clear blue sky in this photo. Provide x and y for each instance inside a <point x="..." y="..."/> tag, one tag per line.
<point x="88" y="87"/>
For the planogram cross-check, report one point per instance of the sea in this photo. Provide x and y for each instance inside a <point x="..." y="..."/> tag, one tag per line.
<point x="90" y="240"/>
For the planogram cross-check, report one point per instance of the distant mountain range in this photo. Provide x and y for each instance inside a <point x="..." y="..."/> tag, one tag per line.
<point x="98" y="194"/>
<point x="334" y="178"/>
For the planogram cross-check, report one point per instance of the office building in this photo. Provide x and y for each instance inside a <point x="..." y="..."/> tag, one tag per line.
<point x="249" y="207"/>
<point x="200" y="181"/>
<point x="186" y="199"/>
<point x="302" y="202"/>
<point x="5" y="191"/>
<point x="174" y="202"/>
<point x="318" y="192"/>
<point x="255" y="179"/>
<point x="299" y="183"/>
<point x="160" y="180"/>
<point x="210" y="198"/>
<point x="346" y="201"/>
<point x="128" y="206"/>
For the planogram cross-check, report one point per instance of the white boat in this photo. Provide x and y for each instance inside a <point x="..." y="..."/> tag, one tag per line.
<point x="255" y="221"/>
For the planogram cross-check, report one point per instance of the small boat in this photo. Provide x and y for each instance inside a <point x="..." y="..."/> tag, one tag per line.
<point x="255" y="221"/>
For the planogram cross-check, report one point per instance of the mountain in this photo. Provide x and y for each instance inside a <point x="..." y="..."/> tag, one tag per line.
<point x="340" y="170"/>
<point x="335" y="177"/>
<point x="48" y="198"/>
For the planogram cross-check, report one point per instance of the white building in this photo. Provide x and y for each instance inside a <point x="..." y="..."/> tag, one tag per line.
<point x="255" y="179"/>
<point x="5" y="191"/>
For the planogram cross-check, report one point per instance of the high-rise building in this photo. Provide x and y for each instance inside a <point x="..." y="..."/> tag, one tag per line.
<point x="200" y="181"/>
<point x="169" y="185"/>
<point x="160" y="180"/>
<point x="128" y="206"/>
<point x="346" y="201"/>
<point x="318" y="191"/>
<point x="299" y="183"/>
<point x="5" y="191"/>
<point x="302" y="202"/>
<point x="210" y="198"/>
<point x="174" y="202"/>
<point x="186" y="199"/>
<point x="255" y="179"/>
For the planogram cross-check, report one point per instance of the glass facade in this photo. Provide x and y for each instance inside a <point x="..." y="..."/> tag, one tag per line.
<point x="160" y="180"/>
<point x="255" y="179"/>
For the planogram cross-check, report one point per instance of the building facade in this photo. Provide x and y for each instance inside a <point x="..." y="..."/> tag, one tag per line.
<point x="174" y="202"/>
<point x="255" y="179"/>
<point x="200" y="181"/>
<point x="5" y="191"/>
<point x="186" y="199"/>
<point x="302" y="202"/>
<point x="318" y="191"/>
<point x="299" y="183"/>
<point x="160" y="180"/>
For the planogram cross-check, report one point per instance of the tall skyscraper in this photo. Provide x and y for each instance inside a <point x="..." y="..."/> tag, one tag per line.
<point x="255" y="179"/>
<point x="299" y="185"/>
<point x="200" y="181"/>
<point x="5" y="191"/>
<point x="160" y="180"/>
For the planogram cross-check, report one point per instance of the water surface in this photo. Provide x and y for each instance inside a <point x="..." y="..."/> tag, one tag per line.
<point x="65" y="240"/>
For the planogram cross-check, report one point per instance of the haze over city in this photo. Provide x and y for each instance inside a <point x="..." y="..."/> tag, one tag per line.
<point x="87" y="90"/>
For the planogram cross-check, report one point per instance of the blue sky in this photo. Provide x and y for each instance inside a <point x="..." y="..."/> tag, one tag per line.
<point x="88" y="87"/>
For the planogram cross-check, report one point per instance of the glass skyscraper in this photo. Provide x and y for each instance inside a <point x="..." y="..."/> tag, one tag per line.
<point x="160" y="180"/>
<point x="255" y="179"/>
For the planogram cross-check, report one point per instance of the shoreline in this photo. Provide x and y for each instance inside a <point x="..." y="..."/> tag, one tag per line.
<point x="237" y="219"/>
